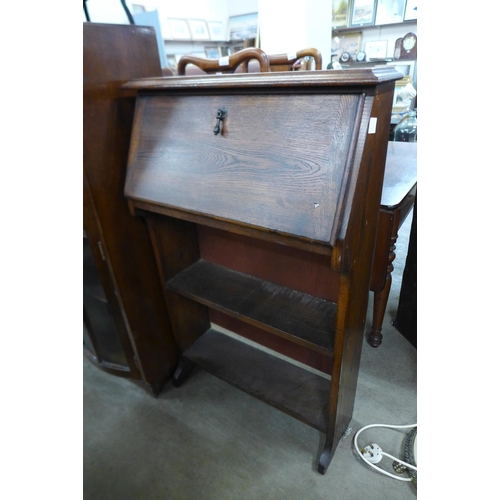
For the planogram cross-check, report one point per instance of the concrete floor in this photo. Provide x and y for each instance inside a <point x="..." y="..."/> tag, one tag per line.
<point x="210" y="441"/>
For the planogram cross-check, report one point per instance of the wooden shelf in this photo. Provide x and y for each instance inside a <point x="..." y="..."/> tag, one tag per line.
<point x="298" y="317"/>
<point x="293" y="390"/>
<point x="343" y="29"/>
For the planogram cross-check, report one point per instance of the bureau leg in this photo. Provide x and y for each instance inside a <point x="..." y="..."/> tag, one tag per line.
<point x="379" y="305"/>
<point x="326" y="457"/>
<point x="182" y="372"/>
<point x="381" y="297"/>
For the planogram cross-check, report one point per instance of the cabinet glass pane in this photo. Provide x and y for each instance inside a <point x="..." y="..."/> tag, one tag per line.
<point x="101" y="323"/>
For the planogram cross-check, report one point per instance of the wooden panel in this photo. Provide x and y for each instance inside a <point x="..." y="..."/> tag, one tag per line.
<point x="308" y="357"/>
<point x="284" y="156"/>
<point x="299" y="317"/>
<point x="298" y="392"/>
<point x="291" y="267"/>
<point x="354" y="287"/>
<point x="176" y="248"/>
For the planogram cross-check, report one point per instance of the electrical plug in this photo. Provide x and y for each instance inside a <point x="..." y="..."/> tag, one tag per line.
<point x="373" y="453"/>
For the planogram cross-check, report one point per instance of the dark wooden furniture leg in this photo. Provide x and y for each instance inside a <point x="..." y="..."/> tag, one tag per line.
<point x="398" y="196"/>
<point x="390" y="220"/>
<point x="388" y="225"/>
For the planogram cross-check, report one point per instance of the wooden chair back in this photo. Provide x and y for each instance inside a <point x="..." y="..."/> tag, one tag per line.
<point x="226" y="64"/>
<point x="291" y="62"/>
<point x="287" y="62"/>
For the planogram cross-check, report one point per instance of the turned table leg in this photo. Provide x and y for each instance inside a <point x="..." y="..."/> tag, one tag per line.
<point x="381" y="285"/>
<point x="398" y="197"/>
<point x="380" y="299"/>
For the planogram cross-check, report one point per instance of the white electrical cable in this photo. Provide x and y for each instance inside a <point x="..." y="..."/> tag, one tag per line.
<point x="398" y="460"/>
<point x="382" y="452"/>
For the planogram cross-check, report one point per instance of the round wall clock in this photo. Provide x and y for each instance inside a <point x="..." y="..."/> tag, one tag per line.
<point x="360" y="56"/>
<point x="406" y="47"/>
<point x="345" y="57"/>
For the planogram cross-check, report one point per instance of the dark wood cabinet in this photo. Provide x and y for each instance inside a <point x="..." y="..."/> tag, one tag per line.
<point x="126" y="326"/>
<point x="264" y="228"/>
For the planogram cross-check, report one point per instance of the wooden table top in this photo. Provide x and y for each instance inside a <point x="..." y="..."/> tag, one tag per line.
<point x="400" y="172"/>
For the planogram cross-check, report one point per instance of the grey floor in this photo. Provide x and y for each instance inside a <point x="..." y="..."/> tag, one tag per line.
<point x="210" y="441"/>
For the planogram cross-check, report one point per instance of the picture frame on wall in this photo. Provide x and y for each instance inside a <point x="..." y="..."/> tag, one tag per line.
<point x="363" y="12"/>
<point x="401" y="105"/>
<point x="212" y="52"/>
<point x="340" y="13"/>
<point x="216" y="30"/>
<point x="390" y="11"/>
<point x="346" y="42"/>
<point x="406" y="68"/>
<point x="376" y="50"/>
<point x="411" y="10"/>
<point x="179" y="29"/>
<point x="243" y="27"/>
<point x="198" y="29"/>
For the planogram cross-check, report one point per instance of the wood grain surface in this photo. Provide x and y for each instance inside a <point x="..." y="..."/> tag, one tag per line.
<point x="284" y="156"/>
<point x="293" y="390"/>
<point x="296" y="316"/>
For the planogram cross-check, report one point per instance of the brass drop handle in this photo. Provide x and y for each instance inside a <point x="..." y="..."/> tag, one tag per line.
<point x="221" y="114"/>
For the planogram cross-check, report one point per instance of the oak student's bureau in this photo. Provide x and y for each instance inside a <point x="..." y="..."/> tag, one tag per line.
<point x="261" y="194"/>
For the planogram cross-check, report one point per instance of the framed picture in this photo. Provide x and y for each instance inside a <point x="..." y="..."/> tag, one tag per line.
<point x="390" y="11"/>
<point x="243" y="27"/>
<point x="411" y="10"/>
<point x="199" y="30"/>
<point x="216" y="30"/>
<point x="401" y="101"/>
<point x="363" y="12"/>
<point x="179" y="29"/>
<point x="340" y="13"/>
<point x="212" y="52"/>
<point x="348" y="42"/>
<point x="406" y="68"/>
<point x="376" y="50"/>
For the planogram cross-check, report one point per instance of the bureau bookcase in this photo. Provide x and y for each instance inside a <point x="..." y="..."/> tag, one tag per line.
<point x="261" y="194"/>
